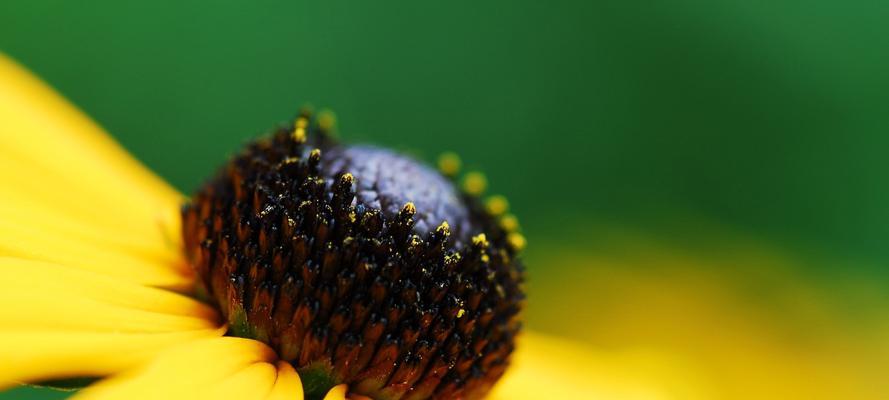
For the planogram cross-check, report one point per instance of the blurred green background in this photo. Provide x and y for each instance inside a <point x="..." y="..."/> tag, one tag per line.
<point x="701" y="180"/>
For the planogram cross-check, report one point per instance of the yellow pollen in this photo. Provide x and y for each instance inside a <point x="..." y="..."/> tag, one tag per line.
<point x="409" y="208"/>
<point x="509" y="223"/>
<point x="453" y="259"/>
<point x="500" y="291"/>
<point x="326" y="120"/>
<point x="460" y="313"/>
<point x="480" y="240"/>
<point x="496" y="205"/>
<point x="299" y="130"/>
<point x="517" y="241"/>
<point x="475" y="183"/>
<point x="416" y="241"/>
<point x="449" y="164"/>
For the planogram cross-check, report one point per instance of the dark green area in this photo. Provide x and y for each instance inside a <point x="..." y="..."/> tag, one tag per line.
<point x="767" y="117"/>
<point x="317" y="380"/>
<point x="68" y="384"/>
<point x="27" y="392"/>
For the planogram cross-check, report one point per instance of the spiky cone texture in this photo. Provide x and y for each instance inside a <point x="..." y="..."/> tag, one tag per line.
<point x="352" y="289"/>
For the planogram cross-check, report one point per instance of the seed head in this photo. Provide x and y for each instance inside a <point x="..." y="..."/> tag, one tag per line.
<point x="359" y="265"/>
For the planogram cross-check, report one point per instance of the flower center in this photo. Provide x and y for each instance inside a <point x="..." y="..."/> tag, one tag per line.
<point x="387" y="181"/>
<point x="358" y="266"/>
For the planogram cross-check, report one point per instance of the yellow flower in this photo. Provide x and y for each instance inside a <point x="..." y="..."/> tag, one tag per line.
<point x="94" y="281"/>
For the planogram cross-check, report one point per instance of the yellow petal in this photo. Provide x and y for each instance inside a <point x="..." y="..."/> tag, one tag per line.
<point x="288" y="385"/>
<point x="18" y="239"/>
<point x="65" y="182"/>
<point x="43" y="296"/>
<point x="17" y="208"/>
<point x="79" y="314"/>
<point x="241" y="368"/>
<point x="107" y="208"/>
<point x="253" y="382"/>
<point x="551" y="368"/>
<point x="337" y="392"/>
<point x="32" y="356"/>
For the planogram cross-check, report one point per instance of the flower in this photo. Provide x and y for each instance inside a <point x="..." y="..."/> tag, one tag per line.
<point x="96" y="280"/>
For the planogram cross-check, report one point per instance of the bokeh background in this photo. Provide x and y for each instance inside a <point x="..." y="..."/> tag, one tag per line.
<point x="703" y="184"/>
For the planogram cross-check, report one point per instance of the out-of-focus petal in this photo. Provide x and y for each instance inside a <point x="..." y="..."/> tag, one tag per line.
<point x="551" y="368"/>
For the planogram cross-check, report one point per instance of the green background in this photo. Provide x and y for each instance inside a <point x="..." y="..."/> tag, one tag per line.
<point x="769" y="118"/>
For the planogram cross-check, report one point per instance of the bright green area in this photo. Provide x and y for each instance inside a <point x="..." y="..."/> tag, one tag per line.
<point x="770" y="118"/>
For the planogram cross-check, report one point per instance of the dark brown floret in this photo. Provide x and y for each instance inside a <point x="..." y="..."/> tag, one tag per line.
<point x="358" y="266"/>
